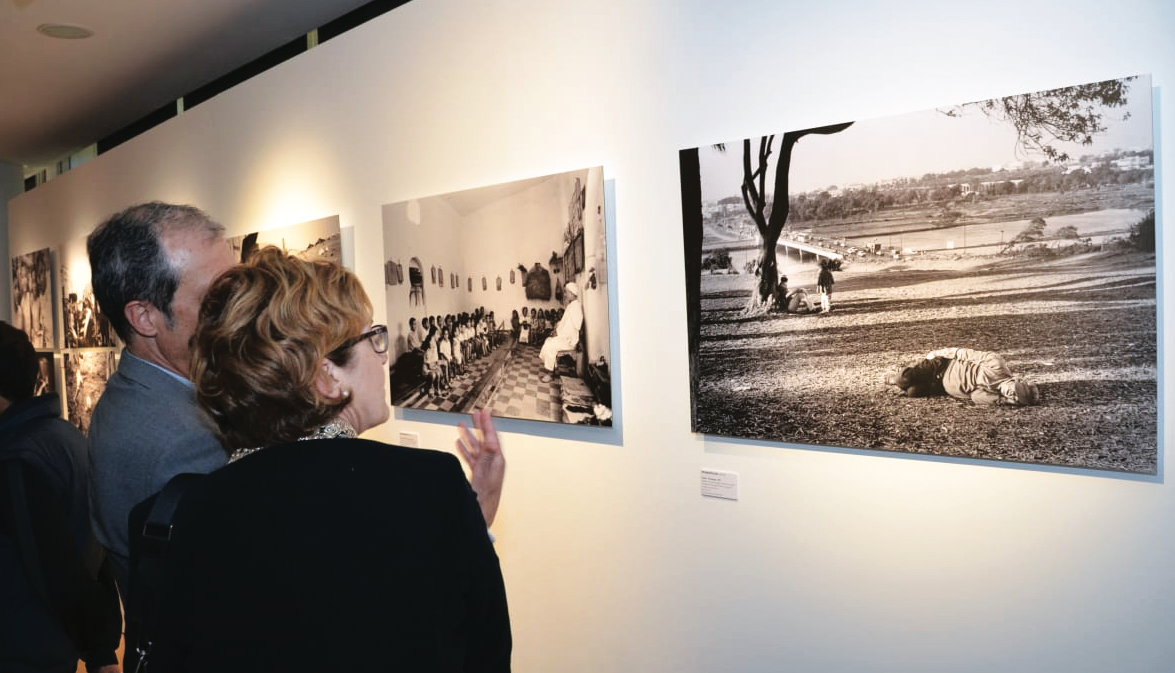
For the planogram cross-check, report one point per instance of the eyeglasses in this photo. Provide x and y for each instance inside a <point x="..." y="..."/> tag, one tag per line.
<point x="379" y="340"/>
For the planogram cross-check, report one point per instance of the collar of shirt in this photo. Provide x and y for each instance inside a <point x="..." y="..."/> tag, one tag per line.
<point x="183" y="379"/>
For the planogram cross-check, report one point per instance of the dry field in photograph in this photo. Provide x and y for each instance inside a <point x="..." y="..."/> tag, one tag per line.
<point x="1082" y="327"/>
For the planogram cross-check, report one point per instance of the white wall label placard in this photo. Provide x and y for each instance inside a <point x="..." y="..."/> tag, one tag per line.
<point x="720" y="484"/>
<point x="410" y="439"/>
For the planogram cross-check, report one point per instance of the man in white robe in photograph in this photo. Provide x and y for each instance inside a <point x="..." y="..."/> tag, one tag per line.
<point x="566" y="334"/>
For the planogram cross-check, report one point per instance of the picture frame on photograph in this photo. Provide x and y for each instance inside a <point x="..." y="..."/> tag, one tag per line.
<point x="969" y="299"/>
<point x="393" y="274"/>
<point x="559" y="375"/>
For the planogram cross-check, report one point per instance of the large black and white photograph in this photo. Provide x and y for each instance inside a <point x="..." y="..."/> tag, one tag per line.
<point x="32" y="297"/>
<point x="83" y="325"/>
<point x="86" y="373"/>
<point x="536" y="350"/>
<point x="976" y="280"/>
<point x="312" y="241"/>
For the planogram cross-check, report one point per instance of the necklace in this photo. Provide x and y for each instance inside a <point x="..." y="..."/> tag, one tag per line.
<point x="336" y="428"/>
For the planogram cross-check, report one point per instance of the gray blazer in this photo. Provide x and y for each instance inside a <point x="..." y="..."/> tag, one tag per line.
<point x="146" y="429"/>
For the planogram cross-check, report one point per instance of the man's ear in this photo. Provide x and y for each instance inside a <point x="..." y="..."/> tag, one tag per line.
<point x="141" y="315"/>
<point x="329" y="382"/>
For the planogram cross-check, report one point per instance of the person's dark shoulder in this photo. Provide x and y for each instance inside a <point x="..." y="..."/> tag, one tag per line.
<point x="361" y="460"/>
<point x="371" y="450"/>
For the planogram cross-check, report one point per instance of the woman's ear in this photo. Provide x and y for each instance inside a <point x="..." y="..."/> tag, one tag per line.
<point x="329" y="381"/>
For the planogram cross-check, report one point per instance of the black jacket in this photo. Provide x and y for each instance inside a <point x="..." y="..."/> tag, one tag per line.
<point x="71" y="615"/>
<point x="337" y="555"/>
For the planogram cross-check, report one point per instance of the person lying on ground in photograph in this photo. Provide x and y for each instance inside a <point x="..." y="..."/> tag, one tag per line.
<point x="566" y="333"/>
<point x="980" y="376"/>
<point x="314" y="549"/>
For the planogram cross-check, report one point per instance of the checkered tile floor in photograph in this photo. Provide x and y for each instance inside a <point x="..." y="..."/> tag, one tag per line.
<point x="520" y="394"/>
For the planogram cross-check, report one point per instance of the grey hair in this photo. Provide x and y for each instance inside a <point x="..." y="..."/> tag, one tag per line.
<point x="128" y="262"/>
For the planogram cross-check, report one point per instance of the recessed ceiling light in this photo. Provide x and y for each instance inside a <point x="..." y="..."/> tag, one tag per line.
<point x="63" y="31"/>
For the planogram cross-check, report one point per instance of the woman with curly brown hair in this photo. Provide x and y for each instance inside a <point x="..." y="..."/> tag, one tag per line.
<point x="313" y="549"/>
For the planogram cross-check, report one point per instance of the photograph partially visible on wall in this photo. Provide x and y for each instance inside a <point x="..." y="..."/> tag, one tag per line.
<point x="83" y="325"/>
<point x="977" y="280"/>
<point x="86" y="373"/>
<point x="46" y="374"/>
<point x="480" y="348"/>
<point x="32" y="297"/>
<point x="312" y="241"/>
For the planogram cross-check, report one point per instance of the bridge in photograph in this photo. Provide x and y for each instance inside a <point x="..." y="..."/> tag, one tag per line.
<point x="801" y="250"/>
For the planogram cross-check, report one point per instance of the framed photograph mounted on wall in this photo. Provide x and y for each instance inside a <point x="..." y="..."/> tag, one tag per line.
<point x="563" y="377"/>
<point x="313" y="240"/>
<point x="86" y="373"/>
<point x="83" y="324"/>
<point x="32" y="297"/>
<point x="976" y="280"/>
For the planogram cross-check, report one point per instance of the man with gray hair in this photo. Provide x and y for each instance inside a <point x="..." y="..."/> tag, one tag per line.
<point x="151" y="265"/>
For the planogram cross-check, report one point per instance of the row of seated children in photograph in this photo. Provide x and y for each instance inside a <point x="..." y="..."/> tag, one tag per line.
<point x="449" y="343"/>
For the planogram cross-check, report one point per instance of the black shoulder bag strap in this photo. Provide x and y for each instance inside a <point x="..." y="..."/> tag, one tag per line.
<point x="147" y="577"/>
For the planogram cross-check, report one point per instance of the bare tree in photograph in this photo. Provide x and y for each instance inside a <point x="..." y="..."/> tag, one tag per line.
<point x="770" y="222"/>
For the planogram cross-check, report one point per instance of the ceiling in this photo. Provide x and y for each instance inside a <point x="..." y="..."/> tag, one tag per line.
<point x="59" y="96"/>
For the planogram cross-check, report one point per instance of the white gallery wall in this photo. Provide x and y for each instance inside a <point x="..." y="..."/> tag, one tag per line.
<point x="831" y="560"/>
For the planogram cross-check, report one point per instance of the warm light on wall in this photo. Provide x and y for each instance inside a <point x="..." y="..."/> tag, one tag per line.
<point x="294" y="184"/>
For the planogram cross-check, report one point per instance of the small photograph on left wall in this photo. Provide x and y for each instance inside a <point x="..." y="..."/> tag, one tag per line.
<point x="83" y="325"/>
<point x="538" y="350"/>
<point x="32" y="297"/>
<point x="86" y="373"/>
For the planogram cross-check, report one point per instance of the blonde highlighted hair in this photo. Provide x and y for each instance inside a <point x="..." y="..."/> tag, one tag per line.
<point x="264" y="329"/>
